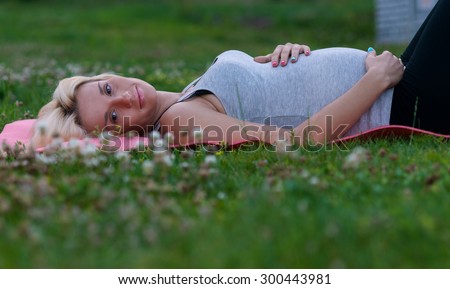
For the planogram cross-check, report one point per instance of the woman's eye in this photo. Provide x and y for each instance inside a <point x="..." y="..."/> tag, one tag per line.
<point x="114" y="116"/>
<point x="108" y="89"/>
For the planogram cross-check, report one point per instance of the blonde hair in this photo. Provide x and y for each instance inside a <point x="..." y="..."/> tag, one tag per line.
<point x="59" y="117"/>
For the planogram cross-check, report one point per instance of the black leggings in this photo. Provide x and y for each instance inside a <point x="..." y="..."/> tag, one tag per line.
<point x="422" y="98"/>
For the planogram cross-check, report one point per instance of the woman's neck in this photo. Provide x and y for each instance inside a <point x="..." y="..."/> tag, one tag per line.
<point x="165" y="100"/>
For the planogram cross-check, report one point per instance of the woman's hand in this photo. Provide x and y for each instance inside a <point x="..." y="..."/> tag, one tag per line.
<point x="386" y="65"/>
<point x="284" y="53"/>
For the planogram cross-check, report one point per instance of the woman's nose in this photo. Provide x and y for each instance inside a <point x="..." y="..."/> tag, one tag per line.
<point x="123" y="99"/>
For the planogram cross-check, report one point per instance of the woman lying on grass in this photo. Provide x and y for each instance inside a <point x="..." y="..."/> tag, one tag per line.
<point x="292" y="94"/>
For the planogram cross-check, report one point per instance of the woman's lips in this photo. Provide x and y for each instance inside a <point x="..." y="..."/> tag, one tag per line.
<point x="140" y="94"/>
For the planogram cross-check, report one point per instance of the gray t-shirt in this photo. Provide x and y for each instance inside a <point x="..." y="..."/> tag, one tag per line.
<point x="287" y="96"/>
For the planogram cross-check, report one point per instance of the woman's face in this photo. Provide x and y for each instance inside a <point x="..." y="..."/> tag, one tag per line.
<point x="118" y="101"/>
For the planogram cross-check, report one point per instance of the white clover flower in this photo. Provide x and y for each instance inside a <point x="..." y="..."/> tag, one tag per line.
<point x="41" y="127"/>
<point x="56" y="143"/>
<point x="355" y="158"/>
<point x="74" y="143"/>
<point x="150" y="235"/>
<point x="198" y="134"/>
<point x="221" y="196"/>
<point x="5" y="205"/>
<point x="88" y="150"/>
<point x="92" y="162"/>
<point x="314" y="181"/>
<point x="122" y="156"/>
<point x="154" y="135"/>
<point x="169" y="138"/>
<point x="184" y="165"/>
<point x="126" y="211"/>
<point x="332" y="230"/>
<point x="163" y="157"/>
<point x="210" y="159"/>
<point x="159" y="154"/>
<point x="45" y="159"/>
<point x="74" y="69"/>
<point x="108" y="171"/>
<point x="148" y="166"/>
<point x="140" y="146"/>
<point x="167" y="160"/>
<point x="106" y="135"/>
<point x="101" y="158"/>
<point x="302" y="206"/>
<point x="104" y="138"/>
<point x="304" y="174"/>
<point x="159" y="143"/>
<point x="281" y="146"/>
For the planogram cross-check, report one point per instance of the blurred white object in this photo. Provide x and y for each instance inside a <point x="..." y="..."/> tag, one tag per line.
<point x="397" y="21"/>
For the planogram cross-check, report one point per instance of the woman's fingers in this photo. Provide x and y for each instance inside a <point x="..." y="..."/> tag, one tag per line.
<point x="389" y="66"/>
<point x="298" y="49"/>
<point x="276" y="55"/>
<point x="290" y="52"/>
<point x="263" y="59"/>
<point x="283" y="54"/>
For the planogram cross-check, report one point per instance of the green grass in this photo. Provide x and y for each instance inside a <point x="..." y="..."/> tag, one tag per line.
<point x="250" y="209"/>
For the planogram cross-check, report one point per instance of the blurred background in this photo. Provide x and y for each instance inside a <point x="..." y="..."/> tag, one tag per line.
<point x="397" y="21"/>
<point x="192" y="31"/>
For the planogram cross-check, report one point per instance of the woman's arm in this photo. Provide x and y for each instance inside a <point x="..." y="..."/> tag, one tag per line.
<point x="383" y="72"/>
<point x="184" y="118"/>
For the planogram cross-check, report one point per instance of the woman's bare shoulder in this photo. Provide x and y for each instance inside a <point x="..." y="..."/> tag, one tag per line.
<point x="202" y="104"/>
<point x="188" y="108"/>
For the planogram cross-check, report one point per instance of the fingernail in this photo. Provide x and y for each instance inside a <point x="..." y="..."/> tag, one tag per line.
<point x="274" y="63"/>
<point x="283" y="63"/>
<point x="307" y="52"/>
<point x="293" y="59"/>
<point x="370" y="49"/>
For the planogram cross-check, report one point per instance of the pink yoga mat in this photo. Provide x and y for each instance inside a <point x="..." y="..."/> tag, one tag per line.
<point x="21" y="131"/>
